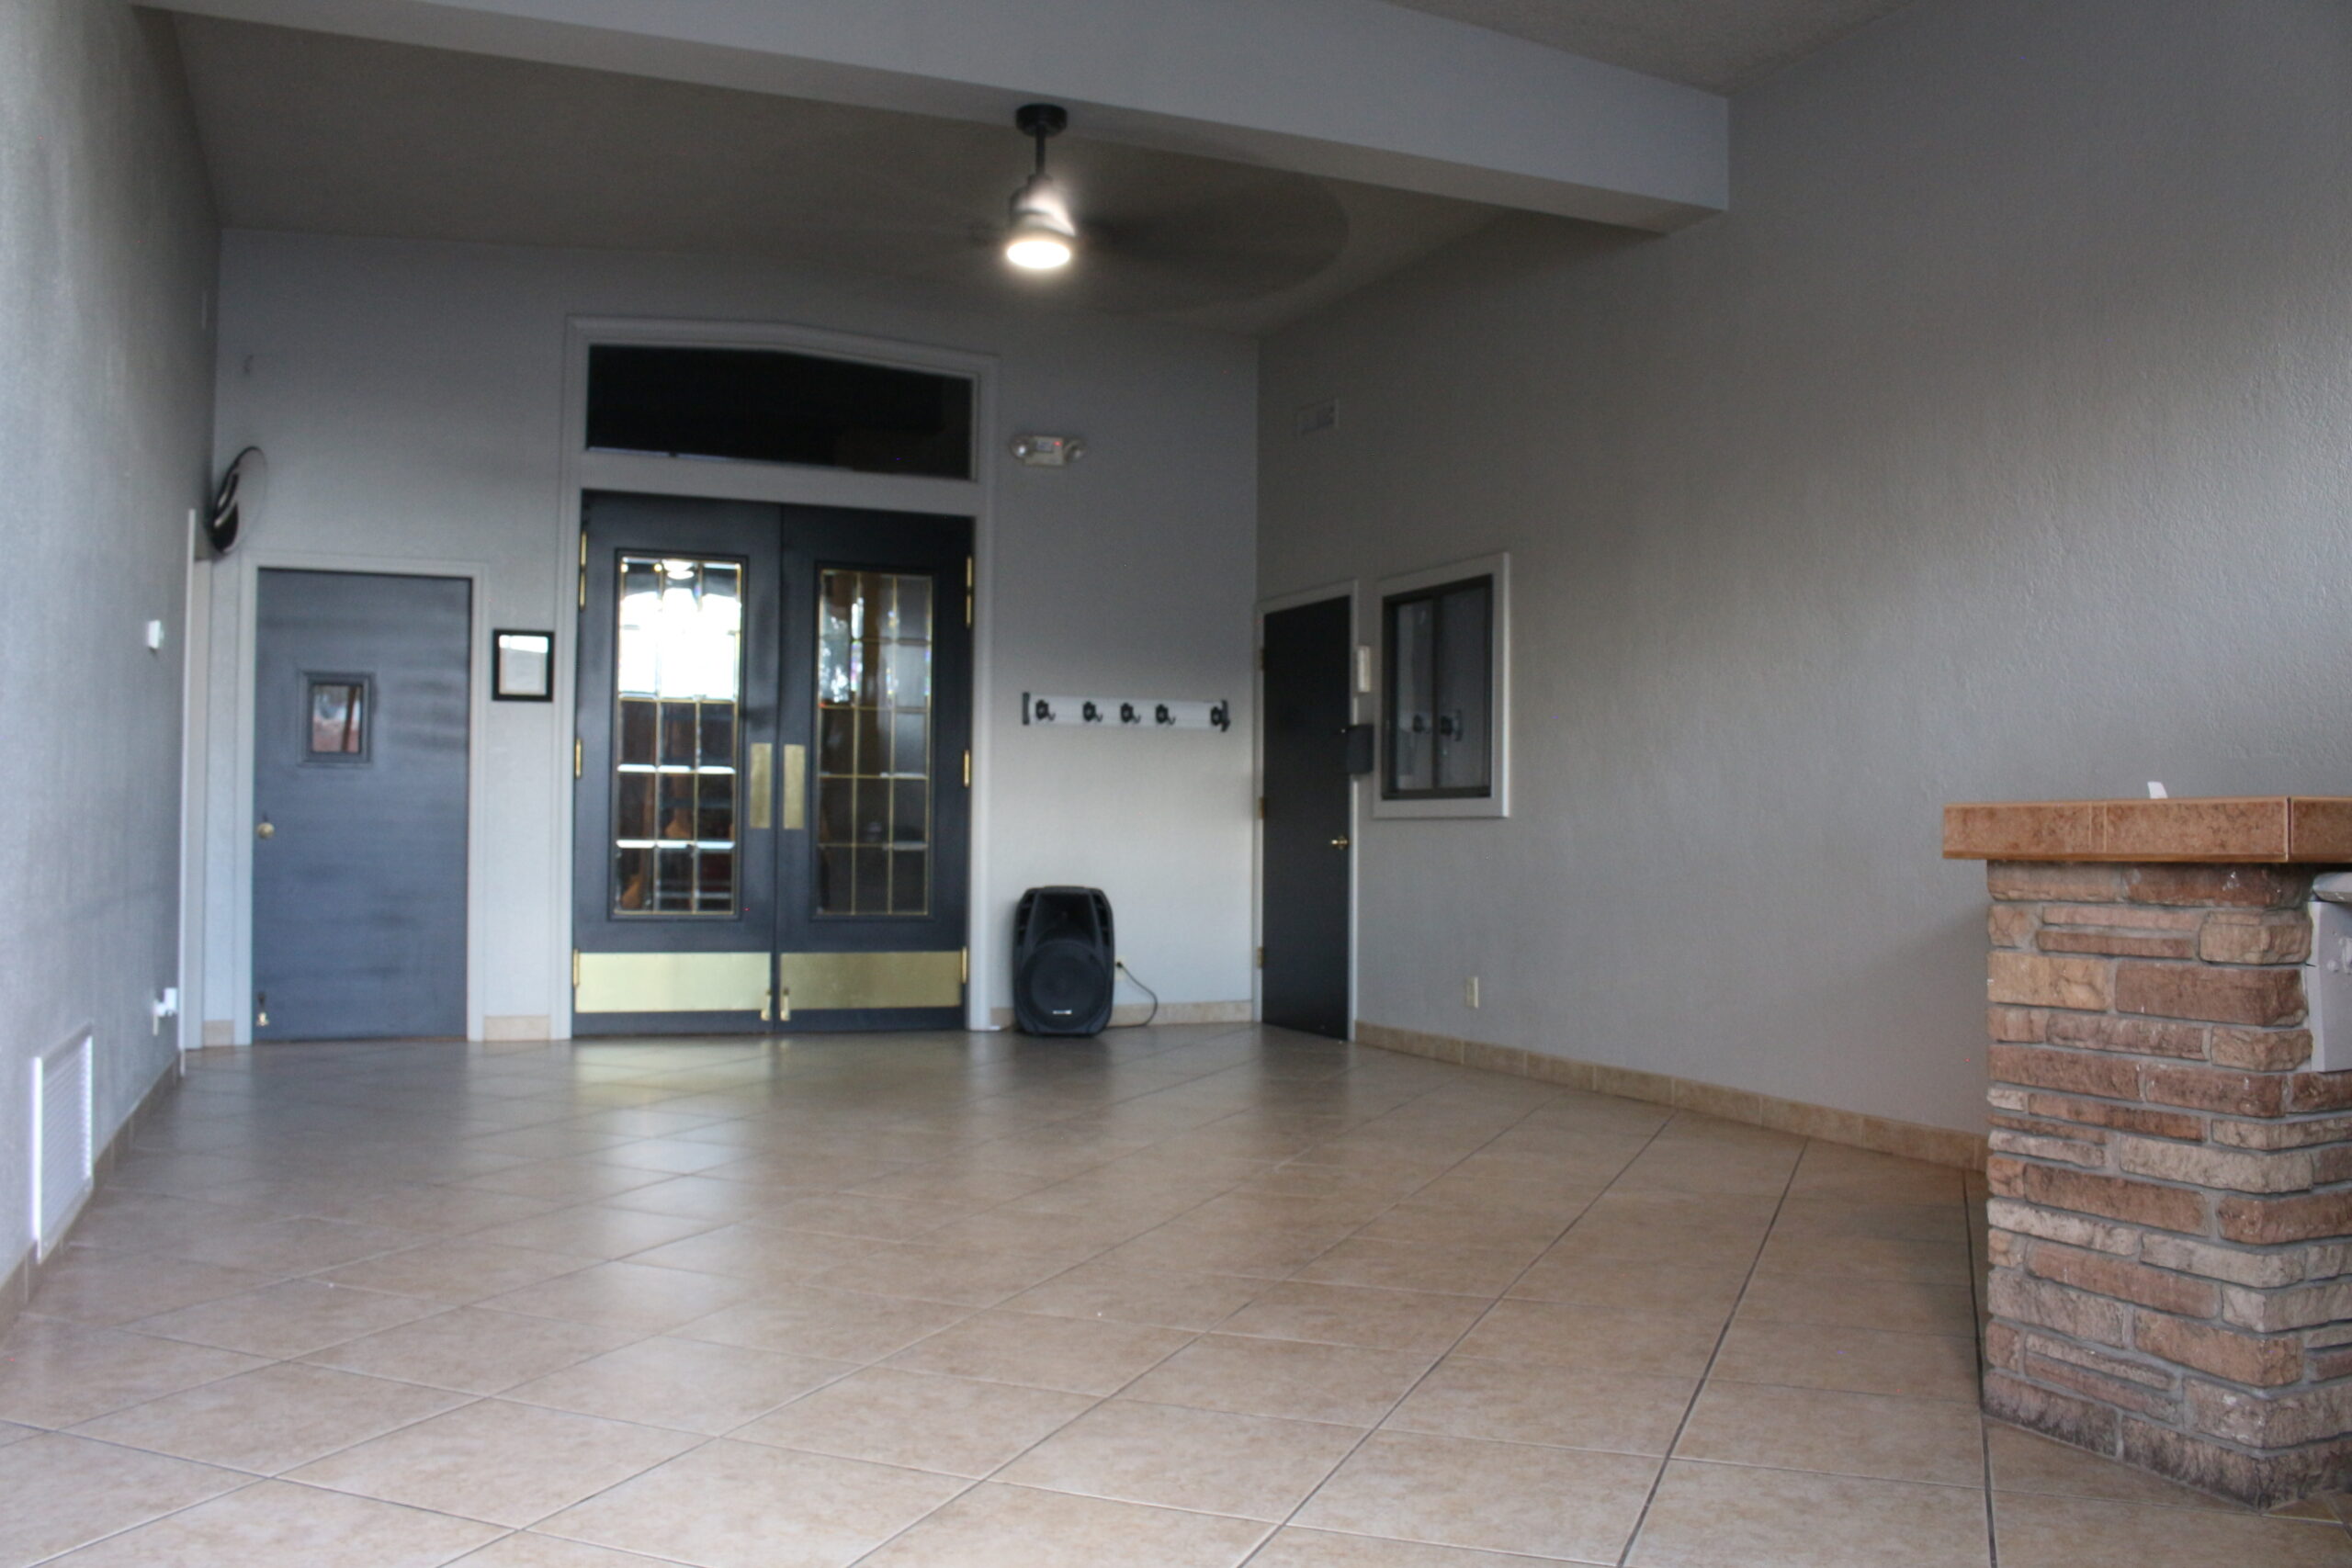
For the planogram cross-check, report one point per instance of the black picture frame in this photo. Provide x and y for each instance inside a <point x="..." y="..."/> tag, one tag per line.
<point x="512" y="677"/>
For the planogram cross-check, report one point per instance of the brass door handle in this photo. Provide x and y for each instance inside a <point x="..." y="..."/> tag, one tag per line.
<point x="266" y="830"/>
<point x="1339" y="843"/>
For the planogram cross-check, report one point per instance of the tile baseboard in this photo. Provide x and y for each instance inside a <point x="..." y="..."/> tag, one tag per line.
<point x="1882" y="1135"/>
<point x="1169" y="1012"/>
<point x="515" y="1026"/>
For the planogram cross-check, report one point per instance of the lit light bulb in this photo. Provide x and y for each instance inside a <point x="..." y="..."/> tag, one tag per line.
<point x="1042" y="236"/>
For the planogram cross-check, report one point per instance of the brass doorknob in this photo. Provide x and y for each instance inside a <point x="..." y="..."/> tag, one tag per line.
<point x="265" y="830"/>
<point x="1339" y="843"/>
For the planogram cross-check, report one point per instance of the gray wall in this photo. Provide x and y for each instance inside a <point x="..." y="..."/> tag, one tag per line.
<point x="411" y="398"/>
<point x="107" y="255"/>
<point x="1997" y="444"/>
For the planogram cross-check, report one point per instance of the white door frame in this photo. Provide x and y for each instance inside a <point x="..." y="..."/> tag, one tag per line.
<point x="249" y="564"/>
<point x="1346" y="588"/>
<point x="779" y="483"/>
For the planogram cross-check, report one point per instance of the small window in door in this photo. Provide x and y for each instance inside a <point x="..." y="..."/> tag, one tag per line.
<point x="336" y="718"/>
<point x="874" y="756"/>
<point x="677" y="688"/>
<point x="1440" y="691"/>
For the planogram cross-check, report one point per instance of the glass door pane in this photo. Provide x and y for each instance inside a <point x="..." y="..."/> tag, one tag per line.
<point x="873" y="755"/>
<point x="677" y="689"/>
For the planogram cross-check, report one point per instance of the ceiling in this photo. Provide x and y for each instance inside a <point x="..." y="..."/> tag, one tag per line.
<point x="1721" y="45"/>
<point x="324" y="133"/>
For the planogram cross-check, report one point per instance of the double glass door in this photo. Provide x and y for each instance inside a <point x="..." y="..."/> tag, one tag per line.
<point x="772" y="808"/>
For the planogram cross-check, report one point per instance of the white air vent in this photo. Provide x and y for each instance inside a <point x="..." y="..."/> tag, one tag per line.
<point x="62" y="1153"/>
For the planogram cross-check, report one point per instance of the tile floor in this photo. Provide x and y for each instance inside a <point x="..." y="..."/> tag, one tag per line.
<point x="1177" y="1297"/>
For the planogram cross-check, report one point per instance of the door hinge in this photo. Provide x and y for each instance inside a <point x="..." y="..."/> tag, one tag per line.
<point x="1262" y="659"/>
<point x="767" y="1005"/>
<point x="575" y="968"/>
<point x="964" y="966"/>
<point x="1261" y="958"/>
<point x="578" y="752"/>
<point x="1261" y="808"/>
<point x="968" y="590"/>
<point x="584" y="568"/>
<point x="967" y="767"/>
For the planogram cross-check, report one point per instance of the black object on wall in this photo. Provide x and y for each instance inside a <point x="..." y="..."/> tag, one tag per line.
<point x="1063" y="961"/>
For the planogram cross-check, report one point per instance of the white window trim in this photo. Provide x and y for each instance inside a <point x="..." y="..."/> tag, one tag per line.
<point x="1497" y="803"/>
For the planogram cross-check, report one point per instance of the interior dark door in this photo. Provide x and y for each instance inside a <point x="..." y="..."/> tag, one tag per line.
<point x="771" y="819"/>
<point x="361" y="693"/>
<point x="1308" y="861"/>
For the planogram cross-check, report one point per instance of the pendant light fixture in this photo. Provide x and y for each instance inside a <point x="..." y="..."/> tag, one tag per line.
<point x="1042" y="236"/>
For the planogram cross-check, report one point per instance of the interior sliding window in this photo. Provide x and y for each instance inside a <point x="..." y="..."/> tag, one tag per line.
<point x="1444" y="704"/>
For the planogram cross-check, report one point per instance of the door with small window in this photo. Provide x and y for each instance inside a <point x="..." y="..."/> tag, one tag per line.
<point x="772" y="816"/>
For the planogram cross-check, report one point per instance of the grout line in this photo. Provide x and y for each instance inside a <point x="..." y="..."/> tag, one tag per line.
<point x="1642" y="1520"/>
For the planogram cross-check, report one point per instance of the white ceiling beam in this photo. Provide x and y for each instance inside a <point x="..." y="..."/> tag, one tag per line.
<point x="1348" y="89"/>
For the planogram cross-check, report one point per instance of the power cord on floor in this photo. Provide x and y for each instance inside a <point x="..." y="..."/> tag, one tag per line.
<point x="1121" y="965"/>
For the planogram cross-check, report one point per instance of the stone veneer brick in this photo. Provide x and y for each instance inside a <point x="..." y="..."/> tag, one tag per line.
<point x="2171" y="1209"/>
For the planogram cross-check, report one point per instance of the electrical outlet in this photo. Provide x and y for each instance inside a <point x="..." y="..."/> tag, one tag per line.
<point x="1470" y="991"/>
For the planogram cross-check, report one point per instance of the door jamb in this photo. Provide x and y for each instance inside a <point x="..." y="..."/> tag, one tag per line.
<point x="249" y="565"/>
<point x="1345" y="588"/>
<point x="581" y="470"/>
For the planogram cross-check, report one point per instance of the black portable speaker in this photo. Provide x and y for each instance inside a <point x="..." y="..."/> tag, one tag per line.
<point x="1063" y="961"/>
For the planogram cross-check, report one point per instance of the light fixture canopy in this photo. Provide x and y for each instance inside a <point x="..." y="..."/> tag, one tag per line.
<point x="1042" y="235"/>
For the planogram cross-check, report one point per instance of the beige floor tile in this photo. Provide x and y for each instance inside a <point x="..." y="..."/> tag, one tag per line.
<point x="1268" y="1254"/>
<point x="274" y="1524"/>
<point x="12" y="1433"/>
<point x="1563" y="1334"/>
<point x="1711" y="1515"/>
<point x="1690" y="1165"/>
<point x="839" y="1325"/>
<point x="1832" y="1171"/>
<point x="730" y="1505"/>
<point x="272" y="1419"/>
<point x="1632" y="1285"/>
<point x="1294" y="1379"/>
<point x="526" y="1548"/>
<point x="693" y="1385"/>
<point x="1169" y="1456"/>
<point x="1480" y="1271"/>
<point x="425" y="1209"/>
<point x="864" y="1215"/>
<point x="2036" y="1531"/>
<point x="1134" y="1295"/>
<point x="1858" y="1361"/>
<point x="59" y="1374"/>
<point x="63" y="1491"/>
<point x="593" y="1231"/>
<point x="1453" y="1225"/>
<point x="1850" y="1434"/>
<point x="2024" y="1463"/>
<point x="508" y="1464"/>
<point x="1321" y="1549"/>
<point x="1348" y="1314"/>
<point x="1886" y="1219"/>
<point x="1519" y="1402"/>
<point x="1912" y="1306"/>
<point x="1868" y="1258"/>
<point x="289" y="1244"/>
<point x="696" y="1197"/>
<point x="1075" y="1355"/>
<point x="940" y="1274"/>
<point x="570" y="1180"/>
<point x="625" y="1295"/>
<point x="455" y="1273"/>
<point x="1013" y="1527"/>
<point x="1542" y="1502"/>
<point x="474" y="1350"/>
<point x="758" y="1252"/>
<point x="293" y="1318"/>
<point x="103" y="1288"/>
<point x="956" y="1426"/>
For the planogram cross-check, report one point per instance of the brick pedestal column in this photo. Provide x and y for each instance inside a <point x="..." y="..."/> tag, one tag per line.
<point x="2172" y="1186"/>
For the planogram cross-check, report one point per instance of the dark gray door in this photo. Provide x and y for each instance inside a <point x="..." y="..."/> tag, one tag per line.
<point x="360" y="697"/>
<point x="1307" y="863"/>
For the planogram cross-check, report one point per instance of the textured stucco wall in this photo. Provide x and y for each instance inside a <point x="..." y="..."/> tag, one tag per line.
<point x="411" y="398"/>
<point x="107" y="255"/>
<point x="1997" y="445"/>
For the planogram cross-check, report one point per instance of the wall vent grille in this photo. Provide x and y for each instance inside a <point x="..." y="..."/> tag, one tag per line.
<point x="62" y="1157"/>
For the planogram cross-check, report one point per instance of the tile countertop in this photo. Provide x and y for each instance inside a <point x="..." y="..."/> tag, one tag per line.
<point x="2279" y="829"/>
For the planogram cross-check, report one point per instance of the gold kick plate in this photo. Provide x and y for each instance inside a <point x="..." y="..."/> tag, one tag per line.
<point x="761" y="786"/>
<point x="967" y="768"/>
<point x="796" y="788"/>
<point x="579" y="752"/>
